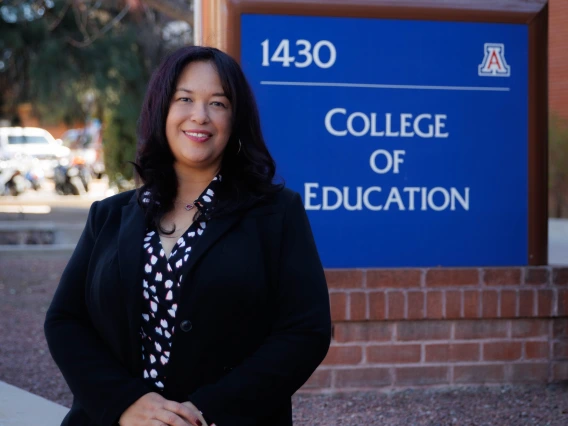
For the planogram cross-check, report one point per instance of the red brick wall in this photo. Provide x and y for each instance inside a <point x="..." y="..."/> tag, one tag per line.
<point x="558" y="57"/>
<point x="28" y="120"/>
<point x="412" y="327"/>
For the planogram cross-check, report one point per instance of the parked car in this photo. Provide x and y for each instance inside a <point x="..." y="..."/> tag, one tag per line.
<point x="22" y="142"/>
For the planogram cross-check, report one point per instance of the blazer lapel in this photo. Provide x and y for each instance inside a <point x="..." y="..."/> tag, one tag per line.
<point x="130" y="259"/>
<point x="216" y="228"/>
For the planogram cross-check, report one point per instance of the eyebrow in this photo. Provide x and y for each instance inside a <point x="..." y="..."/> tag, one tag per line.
<point x="181" y="89"/>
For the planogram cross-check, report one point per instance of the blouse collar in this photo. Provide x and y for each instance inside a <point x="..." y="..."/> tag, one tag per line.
<point x="206" y="202"/>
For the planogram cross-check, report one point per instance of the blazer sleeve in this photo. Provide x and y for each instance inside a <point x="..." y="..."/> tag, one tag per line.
<point x="98" y="381"/>
<point x="298" y="342"/>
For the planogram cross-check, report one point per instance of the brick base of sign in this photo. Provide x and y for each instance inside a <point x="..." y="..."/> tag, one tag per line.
<point x="425" y="327"/>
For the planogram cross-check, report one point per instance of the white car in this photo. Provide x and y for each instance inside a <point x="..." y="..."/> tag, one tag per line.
<point x="25" y="142"/>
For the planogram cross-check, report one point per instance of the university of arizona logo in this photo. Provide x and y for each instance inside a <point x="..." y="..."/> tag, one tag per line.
<point x="494" y="64"/>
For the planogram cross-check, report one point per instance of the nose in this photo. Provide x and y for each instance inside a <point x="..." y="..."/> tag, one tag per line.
<point x="199" y="113"/>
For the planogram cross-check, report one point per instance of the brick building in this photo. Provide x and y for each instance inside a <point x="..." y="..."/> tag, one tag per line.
<point x="408" y="327"/>
<point x="440" y="326"/>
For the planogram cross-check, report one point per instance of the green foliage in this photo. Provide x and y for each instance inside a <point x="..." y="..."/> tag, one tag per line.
<point x="120" y="141"/>
<point x="104" y="66"/>
<point x="558" y="165"/>
<point x="123" y="85"/>
<point x="53" y="66"/>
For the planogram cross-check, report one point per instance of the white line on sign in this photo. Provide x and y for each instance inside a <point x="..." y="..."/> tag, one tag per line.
<point x="386" y="86"/>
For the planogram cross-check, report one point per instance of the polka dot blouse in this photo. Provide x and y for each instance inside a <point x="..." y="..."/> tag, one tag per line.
<point x="161" y="288"/>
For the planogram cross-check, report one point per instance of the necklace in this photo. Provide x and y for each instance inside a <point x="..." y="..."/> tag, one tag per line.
<point x="187" y="206"/>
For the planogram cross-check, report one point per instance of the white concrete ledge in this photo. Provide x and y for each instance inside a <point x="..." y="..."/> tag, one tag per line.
<point x="35" y="248"/>
<point x="21" y="408"/>
<point x="26" y="225"/>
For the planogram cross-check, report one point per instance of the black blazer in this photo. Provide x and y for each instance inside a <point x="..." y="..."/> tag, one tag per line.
<point x="252" y="324"/>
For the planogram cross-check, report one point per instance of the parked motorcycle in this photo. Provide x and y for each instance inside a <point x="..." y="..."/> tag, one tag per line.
<point x="34" y="178"/>
<point x="71" y="177"/>
<point x="85" y="173"/>
<point x="33" y="172"/>
<point x="12" y="181"/>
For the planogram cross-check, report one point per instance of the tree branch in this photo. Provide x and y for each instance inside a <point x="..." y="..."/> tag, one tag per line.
<point x="172" y="10"/>
<point x="79" y="20"/>
<point x="58" y="20"/>
<point x="102" y="31"/>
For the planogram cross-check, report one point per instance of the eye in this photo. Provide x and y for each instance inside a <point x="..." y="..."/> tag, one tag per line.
<point x="219" y="104"/>
<point x="184" y="99"/>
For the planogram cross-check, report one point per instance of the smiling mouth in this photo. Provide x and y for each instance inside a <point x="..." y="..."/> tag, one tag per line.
<point x="197" y="136"/>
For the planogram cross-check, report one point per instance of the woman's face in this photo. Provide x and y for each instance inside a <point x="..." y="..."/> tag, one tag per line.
<point x="198" y="125"/>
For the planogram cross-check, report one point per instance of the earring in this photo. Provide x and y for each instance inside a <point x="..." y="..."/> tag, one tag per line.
<point x="240" y="146"/>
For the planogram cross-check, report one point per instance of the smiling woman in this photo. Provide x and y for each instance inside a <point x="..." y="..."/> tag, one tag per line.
<point x="211" y="123"/>
<point x="198" y="298"/>
<point x="198" y="125"/>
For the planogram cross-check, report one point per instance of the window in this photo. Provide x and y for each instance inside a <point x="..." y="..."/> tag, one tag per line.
<point x="20" y="140"/>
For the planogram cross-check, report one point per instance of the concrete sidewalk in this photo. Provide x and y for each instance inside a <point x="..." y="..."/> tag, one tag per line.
<point x="21" y="408"/>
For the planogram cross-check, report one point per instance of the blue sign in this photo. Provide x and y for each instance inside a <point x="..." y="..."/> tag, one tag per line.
<point x="408" y="140"/>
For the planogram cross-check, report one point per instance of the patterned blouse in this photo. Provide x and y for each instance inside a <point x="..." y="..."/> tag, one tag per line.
<point x="161" y="288"/>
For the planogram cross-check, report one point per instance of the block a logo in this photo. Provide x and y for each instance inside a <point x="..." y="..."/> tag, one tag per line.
<point x="494" y="64"/>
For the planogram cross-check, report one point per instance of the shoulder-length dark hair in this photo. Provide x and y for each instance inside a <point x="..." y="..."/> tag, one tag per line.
<point x="247" y="167"/>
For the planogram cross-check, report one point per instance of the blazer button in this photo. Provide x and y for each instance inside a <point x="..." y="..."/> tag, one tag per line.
<point x="186" y="325"/>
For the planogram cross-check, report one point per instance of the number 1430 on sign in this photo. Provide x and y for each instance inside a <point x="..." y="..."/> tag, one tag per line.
<point x="303" y="50"/>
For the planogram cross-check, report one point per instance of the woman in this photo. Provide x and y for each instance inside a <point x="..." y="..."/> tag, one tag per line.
<point x="198" y="299"/>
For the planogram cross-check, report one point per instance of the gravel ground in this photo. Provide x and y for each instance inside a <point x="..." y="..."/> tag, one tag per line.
<point x="28" y="282"/>
<point x="469" y="406"/>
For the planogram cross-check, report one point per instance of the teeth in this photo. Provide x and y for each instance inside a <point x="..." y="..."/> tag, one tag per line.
<point x="197" y="135"/>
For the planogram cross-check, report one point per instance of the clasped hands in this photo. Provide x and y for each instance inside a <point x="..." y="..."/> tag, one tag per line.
<point x="153" y="409"/>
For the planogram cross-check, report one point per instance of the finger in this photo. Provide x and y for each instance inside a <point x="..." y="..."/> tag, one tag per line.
<point x="171" y="419"/>
<point x="200" y="421"/>
<point x="198" y="415"/>
<point x="196" y="411"/>
<point x="185" y="412"/>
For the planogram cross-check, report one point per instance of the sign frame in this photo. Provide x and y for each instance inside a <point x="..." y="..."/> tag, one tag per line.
<point x="221" y="27"/>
